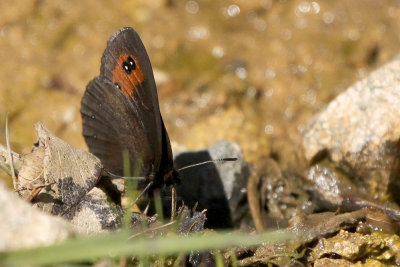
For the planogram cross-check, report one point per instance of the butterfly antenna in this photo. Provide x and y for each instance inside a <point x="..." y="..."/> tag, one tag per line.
<point x="207" y="162"/>
<point x="114" y="176"/>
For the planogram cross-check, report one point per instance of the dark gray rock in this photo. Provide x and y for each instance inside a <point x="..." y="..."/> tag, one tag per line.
<point x="220" y="188"/>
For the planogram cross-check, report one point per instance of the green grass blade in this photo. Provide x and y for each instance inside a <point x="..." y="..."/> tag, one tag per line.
<point x="219" y="260"/>
<point x="117" y="245"/>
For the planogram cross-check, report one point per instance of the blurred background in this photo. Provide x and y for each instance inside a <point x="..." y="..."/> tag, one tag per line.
<point x="247" y="71"/>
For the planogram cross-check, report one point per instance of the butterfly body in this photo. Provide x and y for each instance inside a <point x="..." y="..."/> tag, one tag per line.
<point x="120" y="112"/>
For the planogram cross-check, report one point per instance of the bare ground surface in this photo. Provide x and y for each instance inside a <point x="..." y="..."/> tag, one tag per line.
<point x="253" y="72"/>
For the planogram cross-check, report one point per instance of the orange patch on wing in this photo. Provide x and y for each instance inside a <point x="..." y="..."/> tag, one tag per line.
<point x="127" y="82"/>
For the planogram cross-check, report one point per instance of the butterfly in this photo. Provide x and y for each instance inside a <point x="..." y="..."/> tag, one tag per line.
<point x="120" y="112"/>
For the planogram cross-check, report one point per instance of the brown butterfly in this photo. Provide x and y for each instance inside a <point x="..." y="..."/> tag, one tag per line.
<point x="120" y="112"/>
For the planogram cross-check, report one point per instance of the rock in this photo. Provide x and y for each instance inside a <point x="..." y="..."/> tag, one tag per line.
<point x="22" y="226"/>
<point x="360" y="130"/>
<point x="333" y="262"/>
<point x="218" y="187"/>
<point x="332" y="191"/>
<point x="326" y="235"/>
<point x="354" y="247"/>
<point x="94" y="214"/>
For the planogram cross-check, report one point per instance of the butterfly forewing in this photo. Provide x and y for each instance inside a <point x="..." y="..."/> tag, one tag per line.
<point x="120" y="110"/>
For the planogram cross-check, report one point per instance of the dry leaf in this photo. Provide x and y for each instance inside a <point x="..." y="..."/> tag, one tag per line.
<point x="60" y="180"/>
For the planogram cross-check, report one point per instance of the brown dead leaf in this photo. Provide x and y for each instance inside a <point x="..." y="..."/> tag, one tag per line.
<point x="60" y="180"/>
<point x="30" y="176"/>
<point x="68" y="173"/>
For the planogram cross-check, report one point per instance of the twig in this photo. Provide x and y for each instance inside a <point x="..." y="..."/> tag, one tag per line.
<point x="142" y="193"/>
<point x="5" y="163"/>
<point x="10" y="158"/>
<point x="179" y="259"/>
<point x="146" y="209"/>
<point x="253" y="199"/>
<point x="173" y="204"/>
<point x="152" y="229"/>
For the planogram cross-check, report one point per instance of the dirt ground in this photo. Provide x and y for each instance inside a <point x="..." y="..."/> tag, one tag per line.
<point x="247" y="71"/>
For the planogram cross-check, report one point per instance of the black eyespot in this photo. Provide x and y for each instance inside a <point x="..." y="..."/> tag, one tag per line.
<point x="126" y="67"/>
<point x="117" y="85"/>
<point x="131" y="63"/>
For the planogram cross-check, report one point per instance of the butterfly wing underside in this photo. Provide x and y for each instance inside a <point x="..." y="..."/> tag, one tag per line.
<point x="120" y="110"/>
